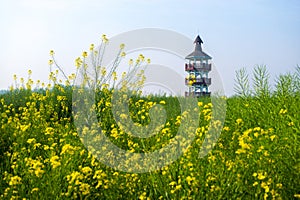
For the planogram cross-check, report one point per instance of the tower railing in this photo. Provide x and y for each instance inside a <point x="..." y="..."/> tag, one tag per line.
<point x="197" y="94"/>
<point x="197" y="67"/>
<point x="201" y="81"/>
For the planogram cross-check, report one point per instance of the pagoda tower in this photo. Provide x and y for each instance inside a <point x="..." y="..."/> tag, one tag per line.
<point x="198" y="66"/>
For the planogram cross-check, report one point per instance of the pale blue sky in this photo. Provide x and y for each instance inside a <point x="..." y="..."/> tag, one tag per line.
<point x="236" y="33"/>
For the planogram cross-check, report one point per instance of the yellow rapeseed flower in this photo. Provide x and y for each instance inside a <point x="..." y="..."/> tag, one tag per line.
<point x="34" y="190"/>
<point x="92" y="47"/>
<point x="123" y="54"/>
<point x="172" y="183"/>
<point x="67" y="148"/>
<point x="103" y="71"/>
<point x="162" y="102"/>
<point x="84" y="54"/>
<point x="84" y="188"/>
<point x="297" y="196"/>
<point x="86" y="170"/>
<point x="46" y="147"/>
<point x="54" y="160"/>
<point x="31" y="141"/>
<point x="104" y="38"/>
<point x="15" y="180"/>
<point x="143" y="196"/>
<point x="78" y="62"/>
<point x="189" y="179"/>
<point x="279" y="185"/>
<point x="141" y="57"/>
<point x="51" y="52"/>
<point x="291" y="123"/>
<point x="239" y="151"/>
<point x="261" y="175"/>
<point x="266" y="153"/>
<point x="178" y="187"/>
<point x="122" y="46"/>
<point x="114" y="75"/>
<point x="282" y="111"/>
<point x="226" y="128"/>
<point x="265" y="186"/>
<point x="239" y="121"/>
<point x="38" y="172"/>
<point x="130" y="62"/>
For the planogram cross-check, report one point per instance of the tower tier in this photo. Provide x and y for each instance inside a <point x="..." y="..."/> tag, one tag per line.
<point x="204" y="67"/>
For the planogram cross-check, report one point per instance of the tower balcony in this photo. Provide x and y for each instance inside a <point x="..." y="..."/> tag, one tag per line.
<point x="198" y="81"/>
<point x="198" y="67"/>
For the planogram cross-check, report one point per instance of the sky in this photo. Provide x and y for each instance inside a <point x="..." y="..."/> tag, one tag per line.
<point x="236" y="33"/>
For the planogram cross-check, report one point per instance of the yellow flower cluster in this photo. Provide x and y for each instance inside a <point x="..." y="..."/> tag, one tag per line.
<point x="54" y="160"/>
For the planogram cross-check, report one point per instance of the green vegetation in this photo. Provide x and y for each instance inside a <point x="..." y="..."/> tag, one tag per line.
<point x="257" y="156"/>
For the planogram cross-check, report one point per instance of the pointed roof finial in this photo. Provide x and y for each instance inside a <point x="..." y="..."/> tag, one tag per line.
<point x="198" y="40"/>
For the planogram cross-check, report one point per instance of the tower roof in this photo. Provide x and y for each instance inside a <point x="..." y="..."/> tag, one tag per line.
<point x="198" y="54"/>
